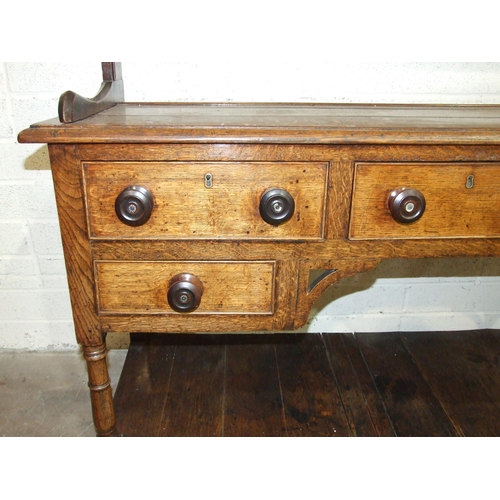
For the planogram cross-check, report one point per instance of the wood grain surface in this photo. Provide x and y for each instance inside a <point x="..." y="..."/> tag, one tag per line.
<point x="407" y="396"/>
<point x="185" y="208"/>
<point x="73" y="226"/>
<point x="431" y="384"/>
<point x="285" y="123"/>
<point x="228" y="287"/>
<point x="462" y="369"/>
<point x="452" y="209"/>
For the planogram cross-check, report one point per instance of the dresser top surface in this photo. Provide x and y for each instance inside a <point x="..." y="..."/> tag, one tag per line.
<point x="302" y="123"/>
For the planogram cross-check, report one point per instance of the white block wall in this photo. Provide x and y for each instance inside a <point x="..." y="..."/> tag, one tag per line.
<point x="35" y="313"/>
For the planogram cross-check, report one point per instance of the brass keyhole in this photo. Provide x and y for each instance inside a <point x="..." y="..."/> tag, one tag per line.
<point x="209" y="180"/>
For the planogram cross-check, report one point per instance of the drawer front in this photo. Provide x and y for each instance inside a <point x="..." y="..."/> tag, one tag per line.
<point x="226" y="287"/>
<point x="186" y="205"/>
<point x="462" y="200"/>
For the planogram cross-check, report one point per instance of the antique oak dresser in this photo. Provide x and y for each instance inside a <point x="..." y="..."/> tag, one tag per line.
<point x="236" y="217"/>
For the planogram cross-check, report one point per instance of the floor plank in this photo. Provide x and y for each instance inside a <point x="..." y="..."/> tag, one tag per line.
<point x="253" y="401"/>
<point x="141" y="392"/>
<point x="312" y="402"/>
<point x="194" y="403"/>
<point x="463" y="370"/>
<point x="411" y="404"/>
<point x="419" y="383"/>
<point x="363" y="405"/>
<point x="384" y="384"/>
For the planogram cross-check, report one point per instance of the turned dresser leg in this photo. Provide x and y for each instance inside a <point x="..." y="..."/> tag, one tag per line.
<point x="100" y="389"/>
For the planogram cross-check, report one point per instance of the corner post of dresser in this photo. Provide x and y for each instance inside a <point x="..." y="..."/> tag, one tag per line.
<point x="68" y="185"/>
<point x="103" y="410"/>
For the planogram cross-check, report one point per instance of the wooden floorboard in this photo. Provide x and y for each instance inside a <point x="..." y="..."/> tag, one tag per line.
<point x="411" y="404"/>
<point x="312" y="402"/>
<point x="364" y="408"/>
<point x="195" y="399"/>
<point x="384" y="384"/>
<point x="253" y="402"/>
<point x="142" y="389"/>
<point x="463" y="370"/>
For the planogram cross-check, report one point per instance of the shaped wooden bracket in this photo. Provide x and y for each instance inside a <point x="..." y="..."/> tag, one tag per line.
<point x="74" y="107"/>
<point x="324" y="275"/>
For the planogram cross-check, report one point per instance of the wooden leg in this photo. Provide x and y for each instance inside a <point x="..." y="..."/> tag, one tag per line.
<point x="100" y="389"/>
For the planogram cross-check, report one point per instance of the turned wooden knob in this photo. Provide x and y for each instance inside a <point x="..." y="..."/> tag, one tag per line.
<point x="276" y="206"/>
<point x="184" y="293"/>
<point x="134" y="205"/>
<point x="406" y="205"/>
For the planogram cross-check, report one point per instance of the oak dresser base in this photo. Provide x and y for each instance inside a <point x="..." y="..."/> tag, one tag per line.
<point x="237" y="217"/>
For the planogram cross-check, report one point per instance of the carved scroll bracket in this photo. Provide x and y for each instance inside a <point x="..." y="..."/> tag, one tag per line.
<point x="74" y="107"/>
<point x="316" y="276"/>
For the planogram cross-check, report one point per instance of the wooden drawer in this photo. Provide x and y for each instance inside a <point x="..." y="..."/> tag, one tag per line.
<point x="228" y="287"/>
<point x="462" y="200"/>
<point x="183" y="207"/>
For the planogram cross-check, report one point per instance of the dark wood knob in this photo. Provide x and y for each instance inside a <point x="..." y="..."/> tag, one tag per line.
<point x="134" y="205"/>
<point x="406" y="205"/>
<point x="184" y="293"/>
<point x="276" y="206"/>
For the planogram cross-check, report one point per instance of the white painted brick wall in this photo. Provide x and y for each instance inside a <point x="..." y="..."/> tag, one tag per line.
<point x="35" y="312"/>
